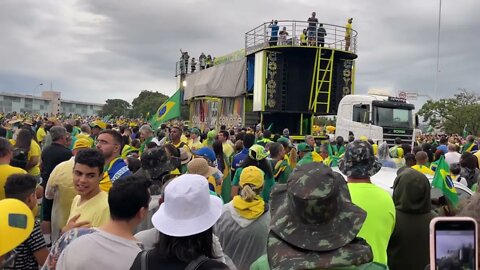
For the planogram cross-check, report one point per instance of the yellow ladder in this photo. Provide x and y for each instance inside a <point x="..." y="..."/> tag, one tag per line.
<point x="322" y="80"/>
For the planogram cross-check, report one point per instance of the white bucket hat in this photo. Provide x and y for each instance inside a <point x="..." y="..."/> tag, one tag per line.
<point x="188" y="207"/>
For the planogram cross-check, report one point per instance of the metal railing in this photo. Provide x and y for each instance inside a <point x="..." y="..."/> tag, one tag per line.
<point x="299" y="33"/>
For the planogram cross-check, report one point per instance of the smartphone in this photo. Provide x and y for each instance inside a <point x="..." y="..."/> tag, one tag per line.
<point x="453" y="243"/>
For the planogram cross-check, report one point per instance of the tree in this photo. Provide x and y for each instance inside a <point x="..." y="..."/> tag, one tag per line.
<point x="115" y="108"/>
<point x="451" y="114"/>
<point x="147" y="103"/>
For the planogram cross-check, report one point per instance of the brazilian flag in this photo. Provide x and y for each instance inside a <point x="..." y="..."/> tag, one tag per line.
<point x="443" y="181"/>
<point x="168" y="110"/>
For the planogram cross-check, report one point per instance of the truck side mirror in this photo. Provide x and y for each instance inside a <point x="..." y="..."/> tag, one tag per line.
<point x="416" y="121"/>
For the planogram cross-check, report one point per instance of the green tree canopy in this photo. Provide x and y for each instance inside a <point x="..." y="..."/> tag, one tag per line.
<point x="452" y="114"/>
<point x="147" y="103"/>
<point x="115" y="108"/>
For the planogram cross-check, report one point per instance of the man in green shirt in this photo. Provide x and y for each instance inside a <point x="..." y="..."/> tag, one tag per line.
<point x="359" y="164"/>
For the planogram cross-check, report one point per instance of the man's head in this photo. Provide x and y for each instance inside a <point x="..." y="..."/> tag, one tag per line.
<point x="286" y="132"/>
<point x="398" y="141"/>
<point x="310" y="140"/>
<point x="410" y="160"/>
<point x="323" y="151"/>
<point x="350" y="20"/>
<point x="248" y="140"/>
<point x="452" y="147"/>
<point x="59" y="135"/>
<point x="5" y="150"/>
<point x="110" y="143"/>
<point x="194" y="133"/>
<point x="303" y="148"/>
<point x="421" y="157"/>
<point x="128" y="199"/>
<point x="87" y="172"/>
<point x="22" y="187"/>
<point x="86" y="129"/>
<point x="145" y="132"/>
<point x="359" y="161"/>
<point x="314" y="14"/>
<point x="223" y="136"/>
<point x="277" y="151"/>
<point x="175" y="134"/>
<point x="444" y="140"/>
<point x="267" y="134"/>
<point x="470" y="138"/>
<point x="156" y="162"/>
<point x="340" y="140"/>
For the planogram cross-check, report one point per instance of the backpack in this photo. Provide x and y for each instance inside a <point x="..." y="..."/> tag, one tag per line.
<point x="19" y="158"/>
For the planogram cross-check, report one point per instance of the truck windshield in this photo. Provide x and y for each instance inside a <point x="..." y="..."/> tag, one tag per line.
<point x="393" y="117"/>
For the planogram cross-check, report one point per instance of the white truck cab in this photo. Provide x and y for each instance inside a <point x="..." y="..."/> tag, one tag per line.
<point x="376" y="116"/>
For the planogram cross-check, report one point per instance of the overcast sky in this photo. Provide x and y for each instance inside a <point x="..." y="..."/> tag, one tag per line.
<point x="93" y="50"/>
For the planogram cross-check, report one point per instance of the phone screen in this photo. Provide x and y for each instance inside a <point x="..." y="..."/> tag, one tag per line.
<point x="455" y="245"/>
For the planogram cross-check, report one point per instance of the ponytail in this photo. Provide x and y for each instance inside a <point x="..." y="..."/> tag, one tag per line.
<point x="248" y="194"/>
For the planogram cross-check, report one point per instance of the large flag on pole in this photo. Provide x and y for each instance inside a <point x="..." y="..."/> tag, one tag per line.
<point x="443" y="181"/>
<point x="168" y="110"/>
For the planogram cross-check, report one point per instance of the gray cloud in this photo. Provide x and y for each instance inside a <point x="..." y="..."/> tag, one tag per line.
<point x="98" y="49"/>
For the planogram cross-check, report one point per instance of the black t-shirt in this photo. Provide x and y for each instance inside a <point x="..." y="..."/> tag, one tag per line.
<point x="312" y="23"/>
<point x="53" y="155"/>
<point x="157" y="262"/>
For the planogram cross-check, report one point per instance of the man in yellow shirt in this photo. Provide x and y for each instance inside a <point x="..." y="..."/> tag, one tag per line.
<point x="227" y="148"/>
<point x="41" y="134"/>
<point x="194" y="142"/>
<point x="348" y="34"/>
<point x="60" y="189"/>
<point x="90" y="206"/>
<point x="5" y="169"/>
<point x="422" y="159"/>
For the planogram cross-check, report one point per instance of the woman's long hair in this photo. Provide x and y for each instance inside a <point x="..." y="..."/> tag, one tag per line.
<point x="185" y="249"/>
<point x="263" y="165"/>
<point x="24" y="139"/>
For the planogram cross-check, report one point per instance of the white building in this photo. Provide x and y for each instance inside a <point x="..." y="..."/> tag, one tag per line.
<point x="49" y="102"/>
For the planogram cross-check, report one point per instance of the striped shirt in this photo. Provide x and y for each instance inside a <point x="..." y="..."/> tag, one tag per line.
<point x="24" y="252"/>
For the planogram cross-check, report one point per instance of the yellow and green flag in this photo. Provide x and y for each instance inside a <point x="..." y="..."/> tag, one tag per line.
<point x="443" y="181"/>
<point x="168" y="110"/>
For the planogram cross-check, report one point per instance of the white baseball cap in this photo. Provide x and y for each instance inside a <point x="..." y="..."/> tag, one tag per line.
<point x="188" y="208"/>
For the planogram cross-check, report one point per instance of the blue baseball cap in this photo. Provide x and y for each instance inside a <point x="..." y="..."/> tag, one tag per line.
<point x="205" y="152"/>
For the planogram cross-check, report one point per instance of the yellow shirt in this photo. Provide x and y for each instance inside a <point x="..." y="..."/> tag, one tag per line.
<point x="34" y="151"/>
<point x="194" y="145"/>
<point x="41" y="134"/>
<point x="423" y="169"/>
<point x="60" y="188"/>
<point x="5" y="171"/>
<point x="348" y="31"/>
<point x="228" y="149"/>
<point x="95" y="210"/>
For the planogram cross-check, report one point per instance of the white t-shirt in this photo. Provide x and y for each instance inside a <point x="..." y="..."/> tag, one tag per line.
<point x="452" y="157"/>
<point x="99" y="250"/>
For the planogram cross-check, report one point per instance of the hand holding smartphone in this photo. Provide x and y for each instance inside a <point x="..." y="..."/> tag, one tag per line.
<point x="453" y="243"/>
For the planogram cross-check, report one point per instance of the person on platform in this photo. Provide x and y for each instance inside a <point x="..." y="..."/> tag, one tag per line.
<point x="202" y="61"/>
<point x="274" y="32"/>
<point x="312" y="29"/>
<point x="303" y="38"/>
<point x="321" y="33"/>
<point x="193" y="65"/>
<point x="283" y="36"/>
<point x="348" y="34"/>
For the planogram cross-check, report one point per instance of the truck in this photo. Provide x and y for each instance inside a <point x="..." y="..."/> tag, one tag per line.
<point x="378" y="116"/>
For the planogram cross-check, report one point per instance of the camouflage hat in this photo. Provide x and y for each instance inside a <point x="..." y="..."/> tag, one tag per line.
<point x="156" y="162"/>
<point x="313" y="211"/>
<point x="359" y="160"/>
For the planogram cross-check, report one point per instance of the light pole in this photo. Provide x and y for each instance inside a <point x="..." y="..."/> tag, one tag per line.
<point x="437" y="71"/>
<point x="35" y="88"/>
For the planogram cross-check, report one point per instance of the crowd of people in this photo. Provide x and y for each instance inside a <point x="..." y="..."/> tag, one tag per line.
<point x="121" y="195"/>
<point x="313" y="35"/>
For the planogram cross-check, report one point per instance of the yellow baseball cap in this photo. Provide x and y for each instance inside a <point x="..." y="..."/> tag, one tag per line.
<point x="16" y="224"/>
<point x="253" y="176"/>
<point x="82" y="143"/>
<point x="99" y="123"/>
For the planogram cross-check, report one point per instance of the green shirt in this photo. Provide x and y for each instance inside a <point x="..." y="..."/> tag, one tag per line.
<point x="267" y="184"/>
<point x="380" y="221"/>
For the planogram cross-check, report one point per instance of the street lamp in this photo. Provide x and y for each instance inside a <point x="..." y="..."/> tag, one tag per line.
<point x="35" y="88"/>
